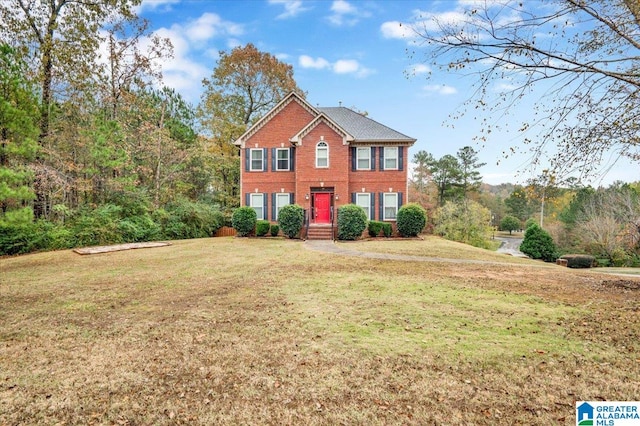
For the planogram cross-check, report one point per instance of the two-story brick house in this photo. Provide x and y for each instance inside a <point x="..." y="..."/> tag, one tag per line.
<point x="320" y="159"/>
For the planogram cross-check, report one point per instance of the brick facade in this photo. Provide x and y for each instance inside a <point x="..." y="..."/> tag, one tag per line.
<point x="284" y="153"/>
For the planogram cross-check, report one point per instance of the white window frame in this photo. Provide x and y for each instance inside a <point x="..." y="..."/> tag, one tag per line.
<point x="394" y="157"/>
<point x="388" y="204"/>
<point x="259" y="209"/>
<point x="251" y="160"/>
<point x="282" y="199"/>
<point x="322" y="146"/>
<point x="287" y="159"/>
<point x="366" y="206"/>
<point x="367" y="151"/>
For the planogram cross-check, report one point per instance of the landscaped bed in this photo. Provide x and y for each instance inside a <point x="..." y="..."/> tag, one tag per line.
<point x="261" y="331"/>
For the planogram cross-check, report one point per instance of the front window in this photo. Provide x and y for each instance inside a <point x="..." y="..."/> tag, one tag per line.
<point x="391" y="158"/>
<point x="364" y="200"/>
<point x="257" y="204"/>
<point x="363" y="156"/>
<point x="257" y="159"/>
<point x="322" y="154"/>
<point x="281" y="201"/>
<point x="390" y="206"/>
<point x="282" y="159"/>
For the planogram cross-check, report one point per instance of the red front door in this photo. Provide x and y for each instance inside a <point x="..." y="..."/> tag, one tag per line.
<point x="322" y="202"/>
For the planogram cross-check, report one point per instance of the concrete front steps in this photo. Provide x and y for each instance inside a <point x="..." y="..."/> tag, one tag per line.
<point x="320" y="232"/>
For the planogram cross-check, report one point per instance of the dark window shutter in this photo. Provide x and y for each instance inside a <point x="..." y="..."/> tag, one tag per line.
<point x="382" y="158"/>
<point x="273" y="206"/>
<point x="399" y="199"/>
<point x="401" y="158"/>
<point x="247" y="159"/>
<point x="292" y="198"/>
<point x="292" y="160"/>
<point x="264" y="159"/>
<point x="353" y="198"/>
<point x="381" y="206"/>
<point x="372" y="198"/>
<point x="273" y="159"/>
<point x="265" y="206"/>
<point x="247" y="199"/>
<point x="373" y="158"/>
<point x="354" y="159"/>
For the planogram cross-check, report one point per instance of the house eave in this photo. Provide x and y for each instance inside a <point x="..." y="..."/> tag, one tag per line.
<point x="383" y="142"/>
<point x="293" y="96"/>
<point x="297" y="138"/>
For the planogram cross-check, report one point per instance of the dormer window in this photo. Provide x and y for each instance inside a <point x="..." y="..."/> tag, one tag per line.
<point x="322" y="155"/>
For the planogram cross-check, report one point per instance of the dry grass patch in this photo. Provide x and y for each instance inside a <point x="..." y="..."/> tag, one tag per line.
<point x="432" y="247"/>
<point x="239" y="331"/>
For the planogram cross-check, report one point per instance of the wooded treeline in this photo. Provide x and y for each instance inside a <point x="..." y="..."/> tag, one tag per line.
<point x="95" y="149"/>
<point x="603" y="222"/>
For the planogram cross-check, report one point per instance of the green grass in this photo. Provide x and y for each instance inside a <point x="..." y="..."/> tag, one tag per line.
<point x="408" y="315"/>
<point x="265" y="331"/>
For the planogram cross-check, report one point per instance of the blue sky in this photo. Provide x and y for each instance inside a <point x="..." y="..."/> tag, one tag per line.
<point x="349" y="52"/>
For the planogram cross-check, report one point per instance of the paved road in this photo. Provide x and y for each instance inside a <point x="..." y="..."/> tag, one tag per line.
<point x="510" y="246"/>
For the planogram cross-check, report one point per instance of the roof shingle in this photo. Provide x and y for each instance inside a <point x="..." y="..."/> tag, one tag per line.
<point x="362" y="128"/>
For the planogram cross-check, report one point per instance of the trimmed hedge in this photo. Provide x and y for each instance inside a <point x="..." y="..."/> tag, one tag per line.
<point x="244" y="220"/>
<point x="387" y="229"/>
<point x="352" y="221"/>
<point x="374" y="228"/>
<point x="291" y="219"/>
<point x="579" y="260"/>
<point x="411" y="220"/>
<point x="262" y="228"/>
<point x="274" y="230"/>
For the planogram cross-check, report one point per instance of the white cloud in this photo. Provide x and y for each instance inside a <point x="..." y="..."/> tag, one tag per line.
<point x="345" y="66"/>
<point x="306" y="61"/>
<point x="210" y="25"/>
<point x="344" y="13"/>
<point x="155" y="5"/>
<point x="341" y="66"/>
<point x="292" y="8"/>
<point x="396" y="29"/>
<point x="419" y="69"/>
<point x="342" y="7"/>
<point x="440" y="89"/>
<point x="191" y="39"/>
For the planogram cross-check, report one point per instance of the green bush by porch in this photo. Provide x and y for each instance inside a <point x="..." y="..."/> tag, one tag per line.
<point x="352" y="221"/>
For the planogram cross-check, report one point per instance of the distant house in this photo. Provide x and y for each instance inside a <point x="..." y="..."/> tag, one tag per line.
<point x="320" y="159"/>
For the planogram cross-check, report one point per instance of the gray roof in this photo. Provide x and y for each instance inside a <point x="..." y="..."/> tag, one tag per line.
<point x="362" y="128"/>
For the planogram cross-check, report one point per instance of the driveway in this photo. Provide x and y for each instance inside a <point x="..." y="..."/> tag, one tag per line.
<point x="510" y="246"/>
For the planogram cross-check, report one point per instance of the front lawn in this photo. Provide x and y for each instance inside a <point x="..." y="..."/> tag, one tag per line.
<point x="262" y="331"/>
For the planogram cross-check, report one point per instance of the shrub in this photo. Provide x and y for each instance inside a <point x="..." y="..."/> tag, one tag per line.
<point x="579" y="260"/>
<point x="274" y="230"/>
<point x="387" y="229"/>
<point x="99" y="226"/>
<point x="352" y="221"/>
<point x="244" y="220"/>
<point x="17" y="238"/>
<point x="466" y="222"/>
<point x="530" y="222"/>
<point x="510" y="223"/>
<point x="291" y="219"/>
<point x="538" y="244"/>
<point x="411" y="220"/>
<point x="374" y="228"/>
<point x="262" y="227"/>
<point x="187" y="219"/>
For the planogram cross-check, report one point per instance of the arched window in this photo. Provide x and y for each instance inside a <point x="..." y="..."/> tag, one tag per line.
<point x="322" y="155"/>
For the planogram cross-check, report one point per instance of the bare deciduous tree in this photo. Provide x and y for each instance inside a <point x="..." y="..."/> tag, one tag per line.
<point x="579" y="60"/>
